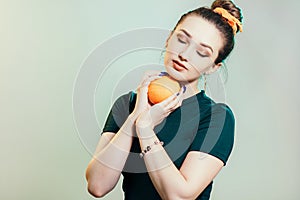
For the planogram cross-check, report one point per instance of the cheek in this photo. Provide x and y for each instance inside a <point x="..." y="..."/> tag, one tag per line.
<point x="195" y="72"/>
<point x="174" y="49"/>
<point x="198" y="70"/>
<point x="166" y="58"/>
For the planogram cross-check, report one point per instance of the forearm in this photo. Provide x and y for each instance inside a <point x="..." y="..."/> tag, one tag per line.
<point x="104" y="170"/>
<point x="167" y="179"/>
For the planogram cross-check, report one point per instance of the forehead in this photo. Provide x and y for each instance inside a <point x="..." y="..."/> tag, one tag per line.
<point x="202" y="31"/>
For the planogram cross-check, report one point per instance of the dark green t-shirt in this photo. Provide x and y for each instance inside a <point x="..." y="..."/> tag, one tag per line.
<point x="199" y="124"/>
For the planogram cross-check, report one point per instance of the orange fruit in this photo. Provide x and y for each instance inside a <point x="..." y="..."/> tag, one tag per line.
<point x="162" y="88"/>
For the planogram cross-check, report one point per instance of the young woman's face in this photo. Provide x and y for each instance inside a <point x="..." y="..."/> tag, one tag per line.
<point x="192" y="49"/>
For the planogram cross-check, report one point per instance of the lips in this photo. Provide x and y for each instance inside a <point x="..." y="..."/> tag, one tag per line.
<point x="178" y="66"/>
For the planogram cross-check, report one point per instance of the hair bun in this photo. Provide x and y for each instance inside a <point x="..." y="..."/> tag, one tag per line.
<point x="229" y="6"/>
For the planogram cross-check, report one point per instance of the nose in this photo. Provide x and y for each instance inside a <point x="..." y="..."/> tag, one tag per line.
<point x="182" y="58"/>
<point x="184" y="54"/>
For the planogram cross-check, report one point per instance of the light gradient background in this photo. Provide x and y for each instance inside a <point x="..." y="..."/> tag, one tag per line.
<point x="43" y="44"/>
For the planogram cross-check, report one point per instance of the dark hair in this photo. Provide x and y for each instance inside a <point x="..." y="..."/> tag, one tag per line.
<point x="220" y="23"/>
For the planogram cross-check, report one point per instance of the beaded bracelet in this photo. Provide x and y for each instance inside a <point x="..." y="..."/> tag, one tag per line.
<point x="148" y="148"/>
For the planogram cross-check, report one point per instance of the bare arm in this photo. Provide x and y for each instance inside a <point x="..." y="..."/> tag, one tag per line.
<point x="104" y="170"/>
<point x="197" y="171"/>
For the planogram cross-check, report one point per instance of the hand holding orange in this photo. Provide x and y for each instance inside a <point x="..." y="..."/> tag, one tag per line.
<point x="162" y="88"/>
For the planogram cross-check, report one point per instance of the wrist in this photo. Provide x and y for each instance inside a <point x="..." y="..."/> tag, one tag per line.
<point x="149" y="146"/>
<point x="145" y="131"/>
<point x="128" y="128"/>
<point x="133" y="117"/>
<point x="144" y="121"/>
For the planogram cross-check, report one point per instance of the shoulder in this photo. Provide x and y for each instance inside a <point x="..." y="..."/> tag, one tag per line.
<point x="118" y="113"/>
<point x="212" y="110"/>
<point x="125" y="96"/>
<point x="220" y="133"/>
<point x="222" y="108"/>
<point x="221" y="117"/>
<point x="122" y="105"/>
<point x="124" y="100"/>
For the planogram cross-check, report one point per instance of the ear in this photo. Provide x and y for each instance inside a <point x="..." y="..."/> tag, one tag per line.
<point x="213" y="68"/>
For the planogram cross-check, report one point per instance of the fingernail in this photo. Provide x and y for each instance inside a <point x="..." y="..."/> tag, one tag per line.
<point x="163" y="74"/>
<point x="177" y="94"/>
<point x="184" y="89"/>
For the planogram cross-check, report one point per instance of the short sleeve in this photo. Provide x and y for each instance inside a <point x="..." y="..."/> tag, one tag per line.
<point x="215" y="134"/>
<point x="118" y="113"/>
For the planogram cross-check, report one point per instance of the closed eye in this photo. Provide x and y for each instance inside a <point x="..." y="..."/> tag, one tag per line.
<point x="182" y="39"/>
<point x="201" y="54"/>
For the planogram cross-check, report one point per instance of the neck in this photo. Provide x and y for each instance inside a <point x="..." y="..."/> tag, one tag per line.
<point x="191" y="89"/>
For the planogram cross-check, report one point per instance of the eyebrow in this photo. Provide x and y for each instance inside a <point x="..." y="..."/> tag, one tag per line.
<point x="190" y="36"/>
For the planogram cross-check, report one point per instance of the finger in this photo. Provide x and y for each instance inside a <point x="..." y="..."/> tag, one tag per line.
<point x="153" y="77"/>
<point x="182" y="90"/>
<point x="172" y="105"/>
<point x="170" y="99"/>
<point x="174" y="101"/>
<point x="179" y="98"/>
<point x="152" y="72"/>
<point x="148" y="80"/>
<point x="149" y="74"/>
<point x="167" y="105"/>
<point x="177" y="105"/>
<point x="143" y="88"/>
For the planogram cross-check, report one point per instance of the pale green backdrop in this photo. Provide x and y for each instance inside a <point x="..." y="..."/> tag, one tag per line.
<point x="43" y="44"/>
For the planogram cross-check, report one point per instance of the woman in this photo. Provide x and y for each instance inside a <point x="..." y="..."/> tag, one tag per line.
<point x="173" y="149"/>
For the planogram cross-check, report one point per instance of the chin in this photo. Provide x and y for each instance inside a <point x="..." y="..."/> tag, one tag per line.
<point x="182" y="77"/>
<point x="179" y="76"/>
